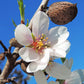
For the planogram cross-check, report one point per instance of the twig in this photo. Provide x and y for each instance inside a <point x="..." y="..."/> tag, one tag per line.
<point x="0" y="71"/>
<point x="18" y="62"/>
<point x="48" y="77"/>
<point x="8" y="80"/>
<point x="4" y="47"/>
<point x="9" y="64"/>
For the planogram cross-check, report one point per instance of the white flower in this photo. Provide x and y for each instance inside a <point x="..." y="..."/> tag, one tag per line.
<point x="76" y="77"/>
<point x="40" y="44"/>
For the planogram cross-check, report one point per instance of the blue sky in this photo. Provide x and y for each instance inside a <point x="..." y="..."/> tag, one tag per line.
<point x="9" y="10"/>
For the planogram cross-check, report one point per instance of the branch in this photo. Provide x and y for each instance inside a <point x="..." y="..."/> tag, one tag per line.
<point x="48" y="77"/>
<point x="9" y="64"/>
<point x="4" y="47"/>
<point x="42" y="7"/>
<point x="18" y="62"/>
<point x="8" y="80"/>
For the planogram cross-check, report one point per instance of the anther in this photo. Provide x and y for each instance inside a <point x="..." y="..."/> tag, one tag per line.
<point x="44" y="40"/>
<point x="47" y="38"/>
<point x="42" y="34"/>
<point x="41" y="37"/>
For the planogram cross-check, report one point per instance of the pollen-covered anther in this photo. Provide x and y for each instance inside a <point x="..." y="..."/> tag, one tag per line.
<point x="42" y="34"/>
<point x="41" y="38"/>
<point x="44" y="40"/>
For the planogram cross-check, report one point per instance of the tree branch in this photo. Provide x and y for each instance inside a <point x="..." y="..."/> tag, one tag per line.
<point x="8" y="80"/>
<point x="18" y="62"/>
<point x="4" y="47"/>
<point x="9" y="64"/>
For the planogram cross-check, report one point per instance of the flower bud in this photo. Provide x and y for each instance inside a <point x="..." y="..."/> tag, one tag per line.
<point x="13" y="42"/>
<point x="62" y="12"/>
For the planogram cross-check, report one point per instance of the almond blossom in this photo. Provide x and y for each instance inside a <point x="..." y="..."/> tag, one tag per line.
<point x="76" y="77"/>
<point x="41" y="43"/>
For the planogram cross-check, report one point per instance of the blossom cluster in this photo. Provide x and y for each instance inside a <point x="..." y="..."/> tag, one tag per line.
<point x="42" y="45"/>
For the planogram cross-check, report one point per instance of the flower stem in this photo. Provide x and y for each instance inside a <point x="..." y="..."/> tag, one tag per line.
<point x="21" y="8"/>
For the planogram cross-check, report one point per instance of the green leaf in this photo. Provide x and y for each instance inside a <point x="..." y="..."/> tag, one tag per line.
<point x="14" y="23"/>
<point x="27" y="23"/>
<point x="21" y="8"/>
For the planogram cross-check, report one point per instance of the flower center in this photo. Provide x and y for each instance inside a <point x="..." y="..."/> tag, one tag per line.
<point x="39" y="43"/>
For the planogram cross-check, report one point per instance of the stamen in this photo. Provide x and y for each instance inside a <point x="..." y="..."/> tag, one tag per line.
<point x="42" y="34"/>
<point x="44" y="40"/>
<point x="47" y="38"/>
<point x="41" y="38"/>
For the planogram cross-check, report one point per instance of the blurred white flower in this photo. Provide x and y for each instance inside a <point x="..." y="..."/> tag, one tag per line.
<point x="76" y="77"/>
<point x="41" y="44"/>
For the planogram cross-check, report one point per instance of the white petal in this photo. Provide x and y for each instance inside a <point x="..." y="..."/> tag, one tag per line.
<point x="40" y="64"/>
<point x="65" y="46"/>
<point x="81" y="74"/>
<point x="73" y="79"/>
<point x="28" y="54"/>
<point x="57" y="35"/>
<point x="58" y="52"/>
<point x="23" y="35"/>
<point x="58" y="71"/>
<point x="40" y="77"/>
<point x="52" y="82"/>
<point x="40" y="24"/>
<point x="68" y="63"/>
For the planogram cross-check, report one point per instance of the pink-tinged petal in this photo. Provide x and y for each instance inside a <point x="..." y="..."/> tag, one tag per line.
<point x="65" y="46"/>
<point x="28" y="54"/>
<point x="73" y="79"/>
<point x="40" y="24"/>
<point x="40" y="77"/>
<point x="57" y="35"/>
<point x="41" y="64"/>
<point x="23" y="35"/>
<point x="58" y="52"/>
